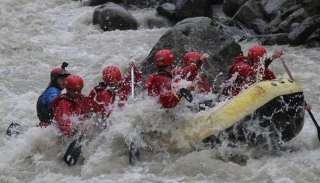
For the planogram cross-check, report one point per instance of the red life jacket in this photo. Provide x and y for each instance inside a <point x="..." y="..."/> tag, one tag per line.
<point x="64" y="108"/>
<point x="159" y="84"/>
<point x="190" y="73"/>
<point x="241" y="76"/>
<point x="101" y="97"/>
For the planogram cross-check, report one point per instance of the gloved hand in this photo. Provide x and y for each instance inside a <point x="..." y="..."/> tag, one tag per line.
<point x="204" y="58"/>
<point x="134" y="66"/>
<point x="307" y="107"/>
<point x="276" y="54"/>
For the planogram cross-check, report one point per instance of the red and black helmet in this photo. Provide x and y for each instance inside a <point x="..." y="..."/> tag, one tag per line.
<point x="74" y="81"/>
<point x="59" y="72"/>
<point x="191" y="57"/>
<point x="111" y="74"/>
<point x="256" y="52"/>
<point x="163" y="58"/>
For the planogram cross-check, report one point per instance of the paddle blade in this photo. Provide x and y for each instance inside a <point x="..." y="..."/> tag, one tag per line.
<point x="134" y="153"/>
<point x="72" y="154"/>
<point x="13" y="129"/>
<point x="186" y="94"/>
<point x="189" y="97"/>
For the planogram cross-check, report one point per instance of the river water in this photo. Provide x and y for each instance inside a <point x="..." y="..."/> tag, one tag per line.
<point x="36" y="36"/>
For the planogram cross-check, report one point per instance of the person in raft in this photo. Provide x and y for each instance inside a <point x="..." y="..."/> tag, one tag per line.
<point x="71" y="109"/>
<point x="113" y="90"/>
<point x="55" y="87"/>
<point x="160" y="84"/>
<point x="192" y="66"/>
<point x="247" y="70"/>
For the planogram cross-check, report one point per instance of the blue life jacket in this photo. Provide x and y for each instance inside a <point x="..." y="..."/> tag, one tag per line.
<point x="44" y="111"/>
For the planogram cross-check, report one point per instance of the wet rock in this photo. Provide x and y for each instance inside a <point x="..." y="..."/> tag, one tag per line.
<point x="111" y="17"/>
<point x="301" y="33"/>
<point x="199" y="34"/>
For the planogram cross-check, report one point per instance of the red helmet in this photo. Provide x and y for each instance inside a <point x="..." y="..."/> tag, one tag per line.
<point x="191" y="57"/>
<point x="74" y="81"/>
<point x="256" y="52"/>
<point x="59" y="72"/>
<point x="111" y="75"/>
<point x="163" y="58"/>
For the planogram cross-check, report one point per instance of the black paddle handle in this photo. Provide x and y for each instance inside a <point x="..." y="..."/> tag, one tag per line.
<point x="81" y="136"/>
<point x="315" y="123"/>
<point x="313" y="119"/>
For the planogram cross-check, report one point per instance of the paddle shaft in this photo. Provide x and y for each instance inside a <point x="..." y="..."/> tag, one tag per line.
<point x="197" y="82"/>
<point x="213" y="70"/>
<point x="196" y="89"/>
<point x="133" y="149"/>
<point x="132" y="82"/>
<point x="309" y="111"/>
<point x="312" y="117"/>
<point x="286" y="68"/>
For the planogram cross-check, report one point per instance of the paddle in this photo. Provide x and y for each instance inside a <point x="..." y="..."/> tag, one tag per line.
<point x="73" y="152"/>
<point x="315" y="123"/>
<point x="213" y="70"/>
<point x="132" y="82"/>
<point x="186" y="94"/>
<point x="133" y="152"/>
<point x="14" y="129"/>
<point x="196" y="89"/>
<point x="309" y="111"/>
<point x="196" y="83"/>
<point x="133" y="149"/>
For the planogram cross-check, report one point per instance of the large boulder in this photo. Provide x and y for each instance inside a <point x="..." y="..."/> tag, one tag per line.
<point x="273" y="39"/>
<point x="271" y="7"/>
<point x="296" y="17"/>
<point x="141" y="3"/>
<point x="199" y="34"/>
<point x="312" y="6"/>
<point x="230" y="7"/>
<point x="251" y="16"/>
<point x="101" y="2"/>
<point x="111" y="17"/>
<point x="167" y="10"/>
<point x="301" y="33"/>
<point x="191" y="8"/>
<point x="181" y="9"/>
<point x="314" y="39"/>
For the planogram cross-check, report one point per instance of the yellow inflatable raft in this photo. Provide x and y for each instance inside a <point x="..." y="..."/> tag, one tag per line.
<point x="275" y="105"/>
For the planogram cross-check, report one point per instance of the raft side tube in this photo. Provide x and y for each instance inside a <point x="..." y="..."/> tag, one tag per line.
<point x="220" y="118"/>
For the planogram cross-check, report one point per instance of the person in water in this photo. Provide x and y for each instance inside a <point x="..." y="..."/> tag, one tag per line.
<point x="71" y="109"/>
<point x="248" y="70"/>
<point x="56" y="85"/>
